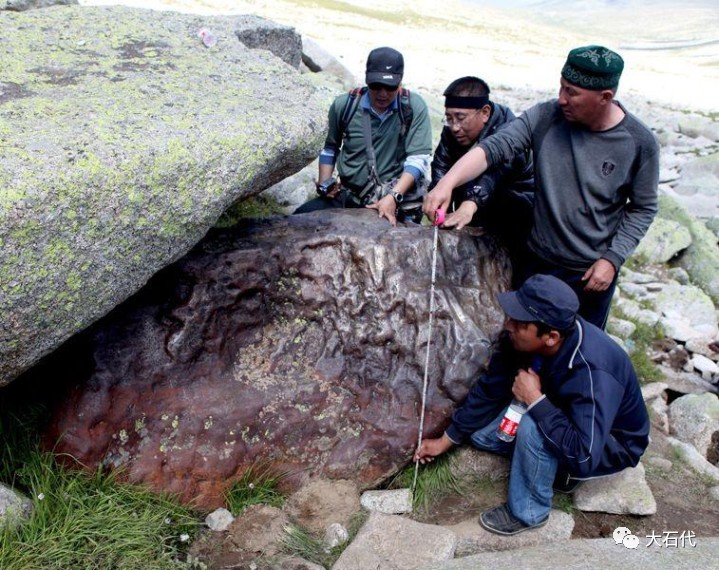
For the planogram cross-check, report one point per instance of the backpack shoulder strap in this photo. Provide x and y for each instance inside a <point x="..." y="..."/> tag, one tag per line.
<point x="350" y="108"/>
<point x="405" y="109"/>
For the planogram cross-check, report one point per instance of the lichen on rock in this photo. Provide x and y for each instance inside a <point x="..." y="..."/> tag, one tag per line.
<point x="124" y="139"/>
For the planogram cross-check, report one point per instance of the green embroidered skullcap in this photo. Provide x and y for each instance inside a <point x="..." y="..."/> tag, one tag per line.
<point x="593" y="67"/>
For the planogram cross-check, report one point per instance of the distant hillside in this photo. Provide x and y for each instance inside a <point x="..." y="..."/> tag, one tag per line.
<point x="520" y="43"/>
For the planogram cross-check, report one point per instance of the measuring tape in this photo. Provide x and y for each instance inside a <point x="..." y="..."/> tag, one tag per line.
<point x="438" y="221"/>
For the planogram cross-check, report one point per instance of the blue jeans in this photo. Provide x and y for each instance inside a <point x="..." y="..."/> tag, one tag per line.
<point x="532" y="470"/>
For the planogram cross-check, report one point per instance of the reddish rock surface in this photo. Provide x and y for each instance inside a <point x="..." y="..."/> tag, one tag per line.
<point x="298" y="341"/>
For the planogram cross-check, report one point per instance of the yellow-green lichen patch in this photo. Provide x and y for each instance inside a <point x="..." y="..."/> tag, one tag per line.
<point x="124" y="140"/>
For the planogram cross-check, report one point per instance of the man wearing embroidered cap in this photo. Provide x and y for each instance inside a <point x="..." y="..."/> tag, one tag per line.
<point x="586" y="416"/>
<point x="596" y="171"/>
<point x="380" y="139"/>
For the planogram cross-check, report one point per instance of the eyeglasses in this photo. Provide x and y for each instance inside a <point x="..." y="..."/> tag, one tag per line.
<point x="381" y="87"/>
<point x="460" y="122"/>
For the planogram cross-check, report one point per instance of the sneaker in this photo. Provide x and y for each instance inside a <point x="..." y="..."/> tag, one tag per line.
<point x="500" y="521"/>
<point x="563" y="483"/>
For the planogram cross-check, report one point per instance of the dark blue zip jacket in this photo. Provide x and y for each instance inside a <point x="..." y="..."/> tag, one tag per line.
<point x="516" y="174"/>
<point x="593" y="415"/>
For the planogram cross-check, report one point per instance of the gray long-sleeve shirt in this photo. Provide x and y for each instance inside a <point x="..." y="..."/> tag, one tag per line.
<point x="596" y="191"/>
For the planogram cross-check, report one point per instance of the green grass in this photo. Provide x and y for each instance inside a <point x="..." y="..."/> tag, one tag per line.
<point x="636" y="263"/>
<point x="433" y="480"/>
<point x="254" y="207"/>
<point x="713" y="115"/>
<point x="564" y="503"/>
<point x="646" y="370"/>
<point x="81" y="520"/>
<point x="343" y="7"/>
<point x="298" y="542"/>
<point x="643" y="337"/>
<point x="258" y="485"/>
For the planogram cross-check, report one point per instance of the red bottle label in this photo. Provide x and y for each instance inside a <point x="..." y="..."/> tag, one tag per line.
<point x="508" y="426"/>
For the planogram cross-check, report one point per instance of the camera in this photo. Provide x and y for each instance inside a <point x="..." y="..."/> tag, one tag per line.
<point x="325" y="186"/>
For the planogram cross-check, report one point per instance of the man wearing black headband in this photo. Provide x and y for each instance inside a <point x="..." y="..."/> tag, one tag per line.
<point x="501" y="199"/>
<point x="596" y="172"/>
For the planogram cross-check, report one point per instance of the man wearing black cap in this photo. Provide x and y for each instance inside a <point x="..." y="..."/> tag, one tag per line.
<point x="391" y="171"/>
<point x="596" y="170"/>
<point x="585" y="418"/>
<point x="500" y="200"/>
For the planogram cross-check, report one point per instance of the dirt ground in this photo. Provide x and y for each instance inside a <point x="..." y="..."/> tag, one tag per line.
<point x="684" y="505"/>
<point x="682" y="497"/>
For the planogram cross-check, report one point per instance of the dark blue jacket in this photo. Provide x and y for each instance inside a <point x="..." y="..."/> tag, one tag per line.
<point x="516" y="175"/>
<point x="593" y="416"/>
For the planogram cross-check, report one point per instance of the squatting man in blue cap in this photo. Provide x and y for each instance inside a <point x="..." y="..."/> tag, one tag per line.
<point x="380" y="139"/>
<point x="596" y="171"/>
<point x="585" y="418"/>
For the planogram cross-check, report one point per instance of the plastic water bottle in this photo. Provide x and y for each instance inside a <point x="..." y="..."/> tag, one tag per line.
<point x="507" y="429"/>
<point x="207" y="37"/>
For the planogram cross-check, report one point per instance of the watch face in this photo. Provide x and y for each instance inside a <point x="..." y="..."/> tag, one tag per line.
<point x="397" y="197"/>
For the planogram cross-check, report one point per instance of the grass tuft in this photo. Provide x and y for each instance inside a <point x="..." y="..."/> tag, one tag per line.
<point x="83" y="520"/>
<point x="646" y="370"/>
<point x="258" y="485"/>
<point x="300" y="543"/>
<point x="433" y="480"/>
<point x="253" y="207"/>
<point x="564" y="503"/>
<point x="643" y="337"/>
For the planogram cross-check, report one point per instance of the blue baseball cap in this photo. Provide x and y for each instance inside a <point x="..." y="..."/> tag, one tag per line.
<point x="542" y="298"/>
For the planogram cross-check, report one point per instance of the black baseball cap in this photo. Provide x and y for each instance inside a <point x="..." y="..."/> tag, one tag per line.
<point x="385" y="66"/>
<point x="542" y="298"/>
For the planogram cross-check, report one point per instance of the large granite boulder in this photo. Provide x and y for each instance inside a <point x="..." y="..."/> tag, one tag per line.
<point x="394" y="542"/>
<point x="664" y="240"/>
<point x="701" y="258"/>
<point x="698" y="187"/>
<point x="22" y="5"/>
<point x="123" y="140"/>
<point x="317" y="59"/>
<point x="298" y="342"/>
<point x="694" y="419"/>
<point x="258" y="33"/>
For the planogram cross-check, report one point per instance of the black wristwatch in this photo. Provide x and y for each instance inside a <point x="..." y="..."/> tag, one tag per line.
<point x="397" y="196"/>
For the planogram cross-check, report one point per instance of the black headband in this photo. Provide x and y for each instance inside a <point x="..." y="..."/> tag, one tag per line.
<point x="455" y="102"/>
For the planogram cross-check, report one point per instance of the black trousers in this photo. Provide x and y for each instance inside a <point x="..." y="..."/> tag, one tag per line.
<point x="593" y="306"/>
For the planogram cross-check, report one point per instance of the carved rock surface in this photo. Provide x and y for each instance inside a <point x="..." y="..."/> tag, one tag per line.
<point x="298" y="341"/>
